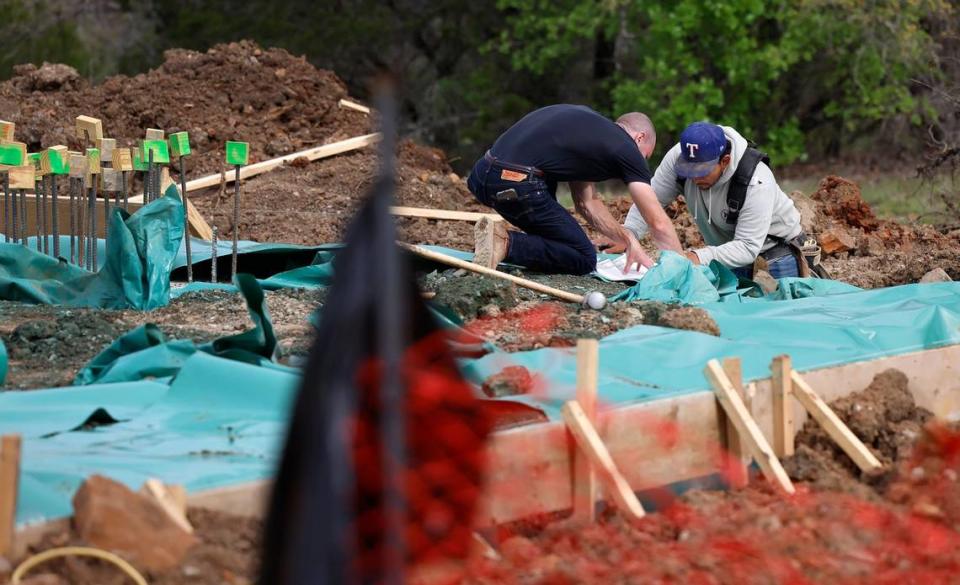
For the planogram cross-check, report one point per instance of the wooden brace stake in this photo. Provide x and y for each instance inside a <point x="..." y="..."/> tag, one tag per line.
<point x="584" y="478"/>
<point x="831" y="423"/>
<point x="749" y="432"/>
<point x="9" y="482"/>
<point x="740" y="457"/>
<point x="783" y="425"/>
<point x="592" y="446"/>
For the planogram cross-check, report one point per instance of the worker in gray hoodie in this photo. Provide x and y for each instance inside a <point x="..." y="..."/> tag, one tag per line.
<point x="734" y="199"/>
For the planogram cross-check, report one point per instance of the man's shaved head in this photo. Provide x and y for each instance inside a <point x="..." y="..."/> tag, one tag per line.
<point x="636" y="123"/>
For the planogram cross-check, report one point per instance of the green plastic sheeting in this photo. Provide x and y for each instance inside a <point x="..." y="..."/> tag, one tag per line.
<point x="219" y="423"/>
<point x="647" y="363"/>
<point x="145" y="352"/>
<point x="675" y="279"/>
<point x="135" y="273"/>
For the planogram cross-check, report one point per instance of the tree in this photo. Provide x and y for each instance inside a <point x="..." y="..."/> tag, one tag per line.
<point x="775" y="69"/>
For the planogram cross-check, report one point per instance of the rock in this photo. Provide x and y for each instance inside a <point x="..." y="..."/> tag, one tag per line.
<point x="109" y="515"/>
<point x="808" y="211"/>
<point x="835" y="242"/>
<point x="936" y="275"/>
<point x="509" y="381"/>
<point x="872" y="246"/>
<point x="53" y="76"/>
<point x="766" y="281"/>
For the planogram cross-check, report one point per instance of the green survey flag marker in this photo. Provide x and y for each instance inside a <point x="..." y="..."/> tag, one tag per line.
<point x="161" y="154"/>
<point x="238" y="153"/>
<point x="11" y="154"/>
<point x="179" y="144"/>
<point x="139" y="164"/>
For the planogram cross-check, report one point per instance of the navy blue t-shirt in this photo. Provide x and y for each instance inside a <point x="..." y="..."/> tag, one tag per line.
<point x="572" y="143"/>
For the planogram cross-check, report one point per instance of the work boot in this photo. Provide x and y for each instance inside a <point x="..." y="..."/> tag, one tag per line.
<point x="491" y="242"/>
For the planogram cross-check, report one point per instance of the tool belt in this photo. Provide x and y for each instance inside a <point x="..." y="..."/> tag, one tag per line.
<point x="531" y="171"/>
<point x="804" y="248"/>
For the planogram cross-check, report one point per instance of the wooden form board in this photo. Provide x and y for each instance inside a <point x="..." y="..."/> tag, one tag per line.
<point x="530" y="466"/>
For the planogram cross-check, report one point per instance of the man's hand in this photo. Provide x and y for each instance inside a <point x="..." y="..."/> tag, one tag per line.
<point x="635" y="254"/>
<point x="692" y="256"/>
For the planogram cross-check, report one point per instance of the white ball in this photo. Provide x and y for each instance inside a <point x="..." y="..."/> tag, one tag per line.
<point x="595" y="300"/>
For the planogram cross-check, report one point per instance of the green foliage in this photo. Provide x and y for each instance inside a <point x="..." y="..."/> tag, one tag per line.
<point x="743" y="63"/>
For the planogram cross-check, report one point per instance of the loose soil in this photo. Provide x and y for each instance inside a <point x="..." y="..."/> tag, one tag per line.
<point x="48" y="345"/>
<point x="883" y="415"/>
<point x="227" y="553"/>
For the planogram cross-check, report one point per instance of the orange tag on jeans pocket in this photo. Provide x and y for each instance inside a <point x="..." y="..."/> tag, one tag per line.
<point x="514" y="176"/>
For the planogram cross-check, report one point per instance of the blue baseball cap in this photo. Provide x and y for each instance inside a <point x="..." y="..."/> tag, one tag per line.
<point x="701" y="146"/>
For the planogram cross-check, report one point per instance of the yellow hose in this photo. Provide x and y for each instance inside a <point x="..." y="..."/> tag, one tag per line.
<point x="80" y="551"/>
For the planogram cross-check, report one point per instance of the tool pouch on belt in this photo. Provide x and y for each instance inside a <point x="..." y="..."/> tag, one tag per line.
<point x="807" y="251"/>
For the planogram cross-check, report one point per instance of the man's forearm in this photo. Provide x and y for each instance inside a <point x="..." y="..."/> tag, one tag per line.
<point x="598" y="216"/>
<point x="659" y="225"/>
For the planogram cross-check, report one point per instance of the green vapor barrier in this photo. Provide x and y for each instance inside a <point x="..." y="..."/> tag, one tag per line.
<point x="135" y="273"/>
<point x="648" y="363"/>
<point x="220" y="422"/>
<point x="145" y="352"/>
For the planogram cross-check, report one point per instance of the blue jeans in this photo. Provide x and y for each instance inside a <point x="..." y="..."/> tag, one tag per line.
<point x="552" y="241"/>
<point x="781" y="267"/>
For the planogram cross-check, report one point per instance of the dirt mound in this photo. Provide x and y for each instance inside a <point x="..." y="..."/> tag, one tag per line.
<point x="267" y="97"/>
<point x="279" y="104"/>
<point x="883" y="415"/>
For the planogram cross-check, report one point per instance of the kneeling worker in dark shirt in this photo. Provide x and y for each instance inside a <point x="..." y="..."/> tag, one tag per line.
<point x="518" y="177"/>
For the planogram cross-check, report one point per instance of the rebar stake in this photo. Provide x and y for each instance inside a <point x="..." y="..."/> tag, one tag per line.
<point x="55" y="216"/>
<point x="23" y="217"/>
<point x="213" y="255"/>
<point x="186" y="219"/>
<point x="6" y="207"/>
<point x="37" y="188"/>
<point x="236" y="223"/>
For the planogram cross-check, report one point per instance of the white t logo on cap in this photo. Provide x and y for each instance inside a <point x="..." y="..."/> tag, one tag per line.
<point x="693" y="149"/>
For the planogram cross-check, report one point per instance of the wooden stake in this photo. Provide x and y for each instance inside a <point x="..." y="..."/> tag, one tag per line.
<point x="443" y="214"/>
<point x="9" y="483"/>
<point x="458" y="263"/>
<point x="592" y="446"/>
<point x="481" y="548"/>
<point x="831" y="423"/>
<point x="783" y="426"/>
<point x="750" y="433"/>
<point x="584" y="478"/>
<point x="739" y="454"/>
<point x="354" y="106"/>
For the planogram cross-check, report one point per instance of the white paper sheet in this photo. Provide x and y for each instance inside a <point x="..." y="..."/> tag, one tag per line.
<point x="613" y="269"/>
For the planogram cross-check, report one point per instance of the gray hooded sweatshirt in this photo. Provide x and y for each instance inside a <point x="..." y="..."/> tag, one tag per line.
<point x="766" y="211"/>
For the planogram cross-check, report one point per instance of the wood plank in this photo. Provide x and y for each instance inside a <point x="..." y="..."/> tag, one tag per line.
<point x="783" y="423"/>
<point x="747" y="427"/>
<point x="740" y="457"/>
<point x="584" y="477"/>
<point x="458" y="263"/>
<point x="310" y="154"/>
<point x="354" y="106"/>
<point x="442" y="214"/>
<point x="9" y="484"/>
<point x="831" y="423"/>
<point x="590" y="443"/>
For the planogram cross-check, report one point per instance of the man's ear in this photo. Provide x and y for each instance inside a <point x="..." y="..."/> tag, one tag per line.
<point x="725" y="159"/>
